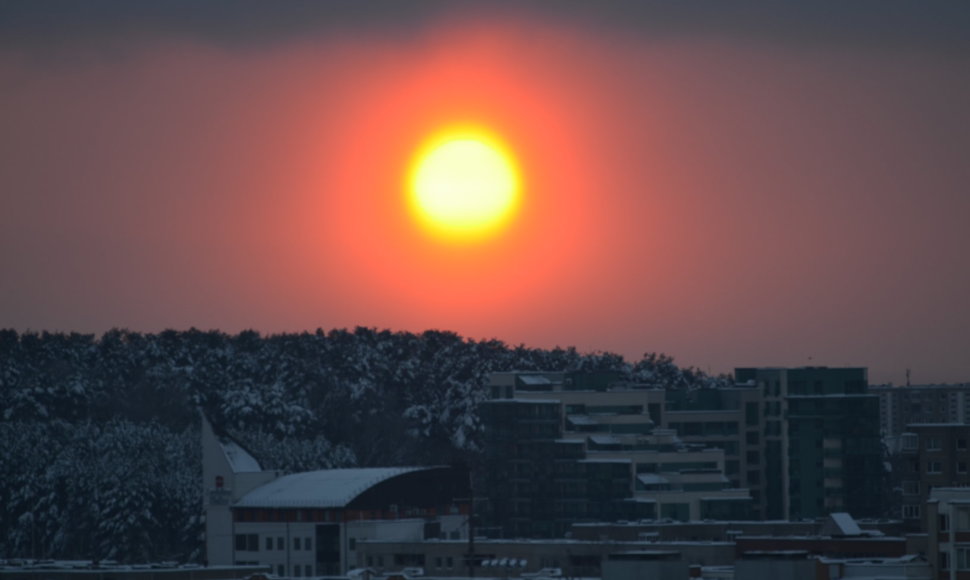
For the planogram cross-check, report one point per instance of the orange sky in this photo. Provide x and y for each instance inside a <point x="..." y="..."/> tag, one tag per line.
<point x="727" y="199"/>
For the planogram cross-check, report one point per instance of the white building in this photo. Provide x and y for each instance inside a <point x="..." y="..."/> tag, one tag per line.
<point x="308" y="524"/>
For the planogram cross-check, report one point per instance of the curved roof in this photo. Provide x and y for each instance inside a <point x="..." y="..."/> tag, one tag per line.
<point x="326" y="488"/>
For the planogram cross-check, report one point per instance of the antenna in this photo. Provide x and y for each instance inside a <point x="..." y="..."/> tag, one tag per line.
<point x="907" y="377"/>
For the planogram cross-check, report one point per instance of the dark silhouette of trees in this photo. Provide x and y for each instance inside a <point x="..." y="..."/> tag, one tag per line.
<point x="100" y="455"/>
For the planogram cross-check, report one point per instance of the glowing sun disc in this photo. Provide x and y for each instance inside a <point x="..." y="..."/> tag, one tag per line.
<point x="463" y="184"/>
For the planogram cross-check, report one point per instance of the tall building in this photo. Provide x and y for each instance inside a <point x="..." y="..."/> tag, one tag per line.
<point x="801" y="442"/>
<point x="561" y="449"/>
<point x="905" y="405"/>
<point x="822" y="451"/>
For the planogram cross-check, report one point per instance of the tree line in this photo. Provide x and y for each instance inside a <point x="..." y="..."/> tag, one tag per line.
<point x="100" y="456"/>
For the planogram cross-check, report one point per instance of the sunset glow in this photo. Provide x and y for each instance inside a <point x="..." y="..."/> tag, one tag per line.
<point x="588" y="174"/>
<point x="463" y="185"/>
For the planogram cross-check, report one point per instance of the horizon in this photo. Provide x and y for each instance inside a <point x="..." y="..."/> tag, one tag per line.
<point x="741" y="186"/>
<point x="629" y="359"/>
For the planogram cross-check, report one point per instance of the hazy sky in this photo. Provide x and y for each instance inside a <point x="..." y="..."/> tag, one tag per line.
<point x="734" y="187"/>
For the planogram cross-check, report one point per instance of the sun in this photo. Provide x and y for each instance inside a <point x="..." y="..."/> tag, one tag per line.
<point x="463" y="184"/>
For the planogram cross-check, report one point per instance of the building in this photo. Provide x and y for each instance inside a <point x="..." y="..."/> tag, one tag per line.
<point x="800" y="565"/>
<point x="88" y="570"/>
<point x="801" y="443"/>
<point x="948" y="531"/>
<point x="820" y="432"/>
<point x="308" y="524"/>
<point x="816" y="427"/>
<point x="637" y="564"/>
<point x="931" y="455"/>
<point x="563" y="448"/>
<point x="905" y="405"/>
<point x="725" y="530"/>
<point x="495" y="558"/>
<point x="839" y="542"/>
<point x="731" y="419"/>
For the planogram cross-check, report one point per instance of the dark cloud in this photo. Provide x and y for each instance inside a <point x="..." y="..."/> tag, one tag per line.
<point x="48" y="25"/>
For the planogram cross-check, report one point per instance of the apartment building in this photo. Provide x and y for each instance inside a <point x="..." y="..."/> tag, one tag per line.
<point x="562" y="449"/>
<point x="932" y="455"/>
<point x="904" y="405"/>
<point x="821" y="451"/>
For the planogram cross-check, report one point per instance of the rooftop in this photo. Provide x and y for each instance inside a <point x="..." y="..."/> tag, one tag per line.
<point x="327" y="488"/>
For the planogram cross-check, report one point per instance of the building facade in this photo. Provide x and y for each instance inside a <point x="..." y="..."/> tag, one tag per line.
<point x="931" y="455"/>
<point x="905" y="405"/>
<point x="821" y="447"/>
<point x="308" y="524"/>
<point x="948" y="532"/>
<point x="561" y="449"/>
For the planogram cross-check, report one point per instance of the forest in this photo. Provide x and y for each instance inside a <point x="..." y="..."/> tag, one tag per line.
<point x="100" y="455"/>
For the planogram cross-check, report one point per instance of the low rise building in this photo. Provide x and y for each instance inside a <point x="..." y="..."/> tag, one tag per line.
<point x="524" y="557"/>
<point x="948" y="533"/>
<point x="308" y="524"/>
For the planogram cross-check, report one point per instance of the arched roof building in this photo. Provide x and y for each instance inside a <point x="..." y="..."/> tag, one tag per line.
<point x="307" y="524"/>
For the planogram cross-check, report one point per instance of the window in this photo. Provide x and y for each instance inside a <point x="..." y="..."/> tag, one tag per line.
<point x="247" y="543"/>
<point x="934" y="467"/>
<point x="280" y="571"/>
<point x="308" y="570"/>
<point x="296" y="570"/>
<point x="944" y="523"/>
<point x="751" y="414"/>
<point x="961" y="466"/>
<point x="961" y="520"/>
<point x="450" y="562"/>
<point x="963" y="558"/>
<point x="269" y="543"/>
<point x="296" y="543"/>
<point x="911" y="487"/>
<point x="307" y="543"/>
<point x="944" y="561"/>
<point x="910" y="441"/>
<point x="279" y="546"/>
<point x="910" y="512"/>
<point x="961" y="444"/>
<point x="933" y="444"/>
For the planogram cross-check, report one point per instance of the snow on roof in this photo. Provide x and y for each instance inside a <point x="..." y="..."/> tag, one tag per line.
<point x="834" y="396"/>
<point x="652" y="479"/>
<point x="841" y="524"/>
<point x="581" y="420"/>
<point x="325" y="488"/>
<point x="534" y="380"/>
<point x="239" y="459"/>
<point x="605" y="439"/>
